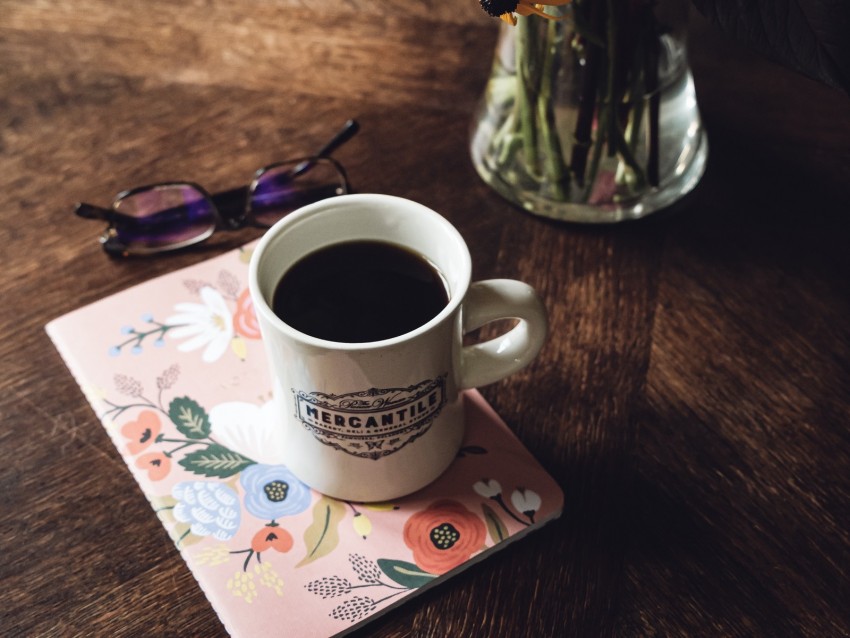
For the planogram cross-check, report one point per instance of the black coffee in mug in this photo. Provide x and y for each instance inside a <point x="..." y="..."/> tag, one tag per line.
<point x="359" y="291"/>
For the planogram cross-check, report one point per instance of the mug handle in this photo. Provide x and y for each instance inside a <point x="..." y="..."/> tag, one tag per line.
<point x="490" y="300"/>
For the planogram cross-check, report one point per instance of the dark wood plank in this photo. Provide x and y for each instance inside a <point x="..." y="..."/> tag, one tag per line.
<point x="692" y="399"/>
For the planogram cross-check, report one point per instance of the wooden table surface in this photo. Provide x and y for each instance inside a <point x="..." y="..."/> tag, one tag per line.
<point x="694" y="397"/>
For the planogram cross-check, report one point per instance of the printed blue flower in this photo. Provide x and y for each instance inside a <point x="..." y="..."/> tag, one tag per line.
<point x="212" y="509"/>
<point x="272" y="491"/>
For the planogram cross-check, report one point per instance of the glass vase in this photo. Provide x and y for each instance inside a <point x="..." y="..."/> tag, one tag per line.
<point x="592" y="117"/>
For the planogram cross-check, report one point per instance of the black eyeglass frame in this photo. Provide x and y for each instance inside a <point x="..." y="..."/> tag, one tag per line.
<point x="227" y="213"/>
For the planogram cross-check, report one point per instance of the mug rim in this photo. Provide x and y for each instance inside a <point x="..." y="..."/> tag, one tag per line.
<point x="261" y="305"/>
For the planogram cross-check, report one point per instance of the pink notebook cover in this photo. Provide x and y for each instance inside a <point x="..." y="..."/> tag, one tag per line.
<point x="174" y="369"/>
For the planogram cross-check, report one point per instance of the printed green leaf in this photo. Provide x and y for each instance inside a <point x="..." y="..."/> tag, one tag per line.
<point x="498" y="530"/>
<point x="164" y="507"/>
<point x="182" y="535"/>
<point x="405" y="574"/>
<point x="322" y="536"/>
<point x="189" y="417"/>
<point x="215" y="461"/>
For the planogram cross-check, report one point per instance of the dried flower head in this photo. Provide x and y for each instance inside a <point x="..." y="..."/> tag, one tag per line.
<point x="168" y="377"/>
<point x="195" y="285"/>
<point x="505" y="9"/>
<point x="366" y="570"/>
<point x="128" y="386"/>
<point x="495" y="8"/>
<point x="228" y="283"/>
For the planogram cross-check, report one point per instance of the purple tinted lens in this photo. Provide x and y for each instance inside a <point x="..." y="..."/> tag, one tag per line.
<point x="163" y="217"/>
<point x="282" y="188"/>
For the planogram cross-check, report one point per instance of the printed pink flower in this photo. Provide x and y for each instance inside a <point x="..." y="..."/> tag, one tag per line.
<point x="157" y="465"/>
<point x="244" y="319"/>
<point x="141" y="432"/>
<point x="443" y="536"/>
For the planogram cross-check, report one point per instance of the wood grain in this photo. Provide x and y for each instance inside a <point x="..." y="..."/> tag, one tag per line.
<point x="692" y="400"/>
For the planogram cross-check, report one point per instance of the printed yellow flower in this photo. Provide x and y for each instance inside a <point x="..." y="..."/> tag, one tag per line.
<point x="242" y="586"/>
<point x="269" y="578"/>
<point x="214" y="555"/>
<point x="505" y="9"/>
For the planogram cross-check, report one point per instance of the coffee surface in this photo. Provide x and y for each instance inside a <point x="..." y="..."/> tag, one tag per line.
<point x="359" y="291"/>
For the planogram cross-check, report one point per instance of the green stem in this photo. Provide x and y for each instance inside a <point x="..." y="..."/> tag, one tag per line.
<point x="607" y="111"/>
<point x="622" y="146"/>
<point x="162" y="439"/>
<point x="393" y="595"/>
<point x="117" y="410"/>
<point x="610" y="88"/>
<point x="182" y="536"/>
<point x="250" y="553"/>
<point x="652" y="57"/>
<point x="558" y="177"/>
<point x="506" y="140"/>
<point x="380" y="583"/>
<point x="526" y="93"/>
<point x="583" y="136"/>
<point x="637" y="89"/>
<point x="498" y="498"/>
<point x="137" y="337"/>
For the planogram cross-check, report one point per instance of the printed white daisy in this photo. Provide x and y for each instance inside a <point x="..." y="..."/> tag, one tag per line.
<point x="253" y="431"/>
<point x="208" y="325"/>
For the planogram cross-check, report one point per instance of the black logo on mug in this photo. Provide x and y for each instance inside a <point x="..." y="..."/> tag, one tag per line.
<point x="372" y="423"/>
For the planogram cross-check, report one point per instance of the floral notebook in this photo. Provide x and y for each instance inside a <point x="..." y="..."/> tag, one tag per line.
<point x="175" y="370"/>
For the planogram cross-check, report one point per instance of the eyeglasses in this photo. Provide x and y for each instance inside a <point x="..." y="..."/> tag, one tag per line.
<point x="171" y="215"/>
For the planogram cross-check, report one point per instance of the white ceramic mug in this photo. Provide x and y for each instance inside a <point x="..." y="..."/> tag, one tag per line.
<point x="374" y="421"/>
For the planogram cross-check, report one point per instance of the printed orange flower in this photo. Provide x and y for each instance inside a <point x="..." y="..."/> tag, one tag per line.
<point x="443" y="536"/>
<point x="244" y="319"/>
<point x="274" y="537"/>
<point x="271" y="536"/>
<point x="156" y="463"/>
<point x="141" y="432"/>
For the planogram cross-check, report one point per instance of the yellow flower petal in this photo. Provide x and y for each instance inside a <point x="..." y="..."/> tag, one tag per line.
<point x="239" y="347"/>
<point x="527" y="10"/>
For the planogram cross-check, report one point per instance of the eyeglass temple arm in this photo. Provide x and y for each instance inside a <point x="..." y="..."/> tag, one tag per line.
<point x="346" y="133"/>
<point x="90" y="211"/>
<point x="230" y="199"/>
